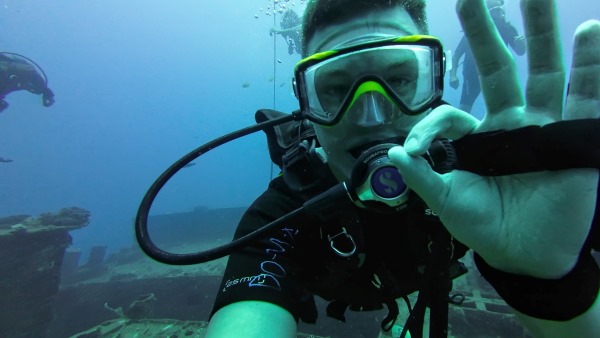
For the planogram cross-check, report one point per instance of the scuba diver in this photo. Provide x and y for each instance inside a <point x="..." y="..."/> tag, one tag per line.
<point x="290" y="31"/>
<point x="384" y="187"/>
<point x="510" y="36"/>
<point x="20" y="73"/>
<point x="372" y="77"/>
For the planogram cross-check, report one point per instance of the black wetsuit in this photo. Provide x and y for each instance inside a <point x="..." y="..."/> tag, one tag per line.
<point x="295" y="263"/>
<point x="471" y="87"/>
<point x="16" y="74"/>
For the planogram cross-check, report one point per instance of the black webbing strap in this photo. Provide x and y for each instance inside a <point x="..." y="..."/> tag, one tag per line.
<point x="559" y="299"/>
<point x="555" y="146"/>
<point x="393" y="311"/>
<point x="434" y="291"/>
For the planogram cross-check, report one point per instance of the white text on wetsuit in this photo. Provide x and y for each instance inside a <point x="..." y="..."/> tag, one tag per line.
<point x="271" y="270"/>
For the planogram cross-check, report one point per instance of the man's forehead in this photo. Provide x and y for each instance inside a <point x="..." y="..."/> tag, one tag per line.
<point x="365" y="61"/>
<point x="373" y="25"/>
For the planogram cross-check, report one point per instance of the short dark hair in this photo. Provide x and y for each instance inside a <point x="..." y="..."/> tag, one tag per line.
<point x="320" y="13"/>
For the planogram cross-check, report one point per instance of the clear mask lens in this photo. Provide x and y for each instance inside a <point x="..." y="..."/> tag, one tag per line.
<point x="407" y="75"/>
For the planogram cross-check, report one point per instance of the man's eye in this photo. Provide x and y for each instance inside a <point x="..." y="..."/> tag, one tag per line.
<point x="336" y="90"/>
<point x="400" y="81"/>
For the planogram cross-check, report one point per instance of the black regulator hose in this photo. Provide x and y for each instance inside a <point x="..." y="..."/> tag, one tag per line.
<point x="324" y="206"/>
<point x="141" y="221"/>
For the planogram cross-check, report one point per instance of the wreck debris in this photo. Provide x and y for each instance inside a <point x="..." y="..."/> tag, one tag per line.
<point x="33" y="249"/>
<point x="141" y="308"/>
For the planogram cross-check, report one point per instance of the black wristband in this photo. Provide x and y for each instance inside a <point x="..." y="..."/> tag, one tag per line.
<point x="552" y="299"/>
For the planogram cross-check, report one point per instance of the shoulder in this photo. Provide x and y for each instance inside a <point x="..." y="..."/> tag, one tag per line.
<point x="279" y="195"/>
<point x="275" y="202"/>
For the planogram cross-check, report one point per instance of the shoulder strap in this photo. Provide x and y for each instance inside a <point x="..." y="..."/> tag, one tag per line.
<point x="281" y="138"/>
<point x="292" y="146"/>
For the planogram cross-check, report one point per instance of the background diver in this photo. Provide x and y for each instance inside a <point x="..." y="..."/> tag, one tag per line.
<point x="19" y="73"/>
<point x="290" y="30"/>
<point x="471" y="88"/>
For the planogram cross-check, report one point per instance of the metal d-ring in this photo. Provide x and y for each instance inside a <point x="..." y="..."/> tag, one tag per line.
<point x="336" y="250"/>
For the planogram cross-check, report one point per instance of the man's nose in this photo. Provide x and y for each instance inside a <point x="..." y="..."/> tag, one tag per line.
<point x="373" y="109"/>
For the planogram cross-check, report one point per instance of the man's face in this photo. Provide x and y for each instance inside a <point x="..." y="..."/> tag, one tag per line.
<point x="371" y="121"/>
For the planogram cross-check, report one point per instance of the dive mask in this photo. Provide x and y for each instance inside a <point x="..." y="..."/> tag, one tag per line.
<point x="404" y="71"/>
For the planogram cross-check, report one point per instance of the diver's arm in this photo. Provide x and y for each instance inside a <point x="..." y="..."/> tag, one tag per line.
<point x="531" y="224"/>
<point x="295" y="29"/>
<point x="252" y="302"/>
<point x="515" y="41"/>
<point x="458" y="54"/>
<point x="252" y="319"/>
<point x="47" y="97"/>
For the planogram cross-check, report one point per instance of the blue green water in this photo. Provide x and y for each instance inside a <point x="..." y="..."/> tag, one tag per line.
<point x="140" y="83"/>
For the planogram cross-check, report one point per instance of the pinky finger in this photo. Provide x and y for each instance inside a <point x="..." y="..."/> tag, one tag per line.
<point x="583" y="98"/>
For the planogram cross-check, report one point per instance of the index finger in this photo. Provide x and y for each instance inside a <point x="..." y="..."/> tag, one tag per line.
<point x="497" y="70"/>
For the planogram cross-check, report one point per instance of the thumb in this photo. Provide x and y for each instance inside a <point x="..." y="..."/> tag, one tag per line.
<point x="418" y="176"/>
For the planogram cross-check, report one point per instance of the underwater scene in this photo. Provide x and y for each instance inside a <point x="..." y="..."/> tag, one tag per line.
<point x="122" y="182"/>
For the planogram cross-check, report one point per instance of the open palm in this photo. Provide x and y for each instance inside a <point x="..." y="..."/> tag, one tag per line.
<point x="534" y="223"/>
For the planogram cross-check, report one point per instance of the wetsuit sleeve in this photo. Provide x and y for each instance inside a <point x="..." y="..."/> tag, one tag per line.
<point x="265" y="270"/>
<point x="509" y="35"/>
<point x="459" y="52"/>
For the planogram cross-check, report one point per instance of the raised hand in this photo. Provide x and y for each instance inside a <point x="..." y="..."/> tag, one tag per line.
<point x="535" y="223"/>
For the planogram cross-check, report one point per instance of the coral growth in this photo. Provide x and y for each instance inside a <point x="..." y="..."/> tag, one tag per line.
<point x="7" y="222"/>
<point x="65" y="217"/>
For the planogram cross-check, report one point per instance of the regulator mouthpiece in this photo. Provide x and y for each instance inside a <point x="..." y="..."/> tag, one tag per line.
<point x="376" y="183"/>
<point x="376" y="179"/>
